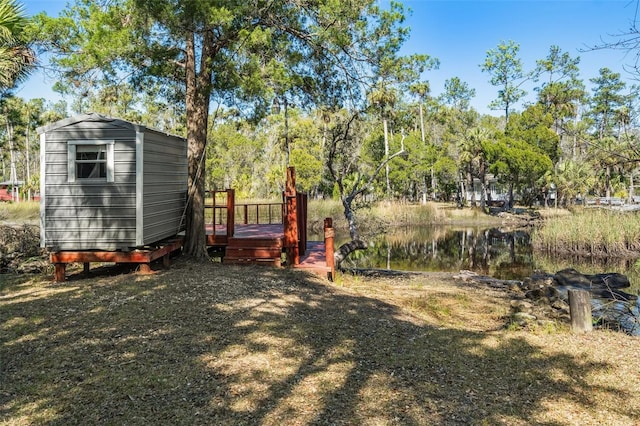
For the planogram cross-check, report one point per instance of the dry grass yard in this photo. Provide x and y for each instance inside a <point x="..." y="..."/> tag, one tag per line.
<point x="210" y="344"/>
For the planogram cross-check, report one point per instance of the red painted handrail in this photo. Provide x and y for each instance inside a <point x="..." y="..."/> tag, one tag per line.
<point x="245" y="213"/>
<point x="292" y="215"/>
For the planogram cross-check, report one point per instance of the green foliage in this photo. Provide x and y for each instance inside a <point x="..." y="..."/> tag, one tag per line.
<point x="231" y="160"/>
<point x="353" y="101"/>
<point x="561" y="90"/>
<point x="607" y="99"/>
<point x="517" y="164"/>
<point x="573" y="178"/>
<point x="16" y="57"/>
<point x="457" y="93"/>
<point x="89" y="39"/>
<point x="534" y="127"/>
<point x="308" y="169"/>
<point x="505" y="69"/>
<point x="19" y="142"/>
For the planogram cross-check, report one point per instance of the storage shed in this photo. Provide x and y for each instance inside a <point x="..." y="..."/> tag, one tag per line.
<point x="108" y="184"/>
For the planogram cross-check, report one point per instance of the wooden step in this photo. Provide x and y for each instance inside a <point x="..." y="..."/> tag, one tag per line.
<point x="262" y="251"/>
<point x="254" y="242"/>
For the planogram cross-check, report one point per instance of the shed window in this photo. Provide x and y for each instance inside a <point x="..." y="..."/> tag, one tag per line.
<point x="90" y="160"/>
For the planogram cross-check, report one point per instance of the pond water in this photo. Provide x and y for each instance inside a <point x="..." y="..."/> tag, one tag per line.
<point x="497" y="252"/>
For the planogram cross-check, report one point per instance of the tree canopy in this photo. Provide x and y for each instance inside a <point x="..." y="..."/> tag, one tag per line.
<point x="322" y="85"/>
<point x="241" y="54"/>
<point x="16" y="57"/>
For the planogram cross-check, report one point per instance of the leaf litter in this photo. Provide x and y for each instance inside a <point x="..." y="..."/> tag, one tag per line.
<point x="204" y="343"/>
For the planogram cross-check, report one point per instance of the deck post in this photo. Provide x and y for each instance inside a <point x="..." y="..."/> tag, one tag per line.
<point x="231" y="212"/>
<point x="60" y="272"/>
<point x="145" y="269"/>
<point x="302" y="222"/>
<point x="291" y="219"/>
<point x="213" y="215"/>
<point x="329" y="235"/>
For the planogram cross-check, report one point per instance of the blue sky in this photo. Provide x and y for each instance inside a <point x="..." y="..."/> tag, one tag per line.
<point x="460" y="32"/>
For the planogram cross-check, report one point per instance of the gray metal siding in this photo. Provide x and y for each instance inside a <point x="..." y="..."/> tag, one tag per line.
<point x="165" y="185"/>
<point x="89" y="215"/>
<point x="142" y="205"/>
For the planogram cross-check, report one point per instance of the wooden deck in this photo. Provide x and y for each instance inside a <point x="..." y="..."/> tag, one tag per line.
<point x="268" y="233"/>
<point x="263" y="244"/>
<point x="276" y="237"/>
<point x="219" y="237"/>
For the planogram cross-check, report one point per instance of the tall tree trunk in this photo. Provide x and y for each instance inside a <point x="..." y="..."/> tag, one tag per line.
<point x="434" y="184"/>
<point x="424" y="189"/>
<point x="510" y="195"/>
<point x="421" y="124"/>
<point x="471" y="187"/>
<point x="386" y="153"/>
<point x="483" y="186"/>
<point x="356" y="243"/>
<point x="197" y="105"/>
<point x="28" y="160"/>
<point x="350" y="215"/>
<point x="608" y="181"/>
<point x="13" y="176"/>
<point x="422" y="138"/>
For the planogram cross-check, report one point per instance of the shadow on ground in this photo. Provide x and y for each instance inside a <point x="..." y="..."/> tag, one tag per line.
<point x="206" y="344"/>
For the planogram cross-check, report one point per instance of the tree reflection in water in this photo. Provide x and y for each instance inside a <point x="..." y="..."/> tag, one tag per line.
<point x="498" y="252"/>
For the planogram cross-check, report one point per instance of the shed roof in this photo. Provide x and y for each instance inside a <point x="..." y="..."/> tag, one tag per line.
<point x="95" y="117"/>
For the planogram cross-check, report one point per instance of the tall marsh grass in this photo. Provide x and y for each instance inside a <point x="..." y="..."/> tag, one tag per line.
<point x="591" y="232"/>
<point x="383" y="213"/>
<point x="24" y="211"/>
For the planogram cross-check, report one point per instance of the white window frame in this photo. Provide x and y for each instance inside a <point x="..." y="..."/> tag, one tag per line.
<point x="71" y="159"/>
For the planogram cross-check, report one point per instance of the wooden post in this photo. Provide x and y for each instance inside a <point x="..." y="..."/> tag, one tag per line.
<point x="301" y="203"/>
<point x="290" y="186"/>
<point x="291" y="232"/>
<point x="213" y="215"/>
<point x="60" y="270"/>
<point x="85" y="268"/>
<point x="291" y="219"/>
<point x="145" y="269"/>
<point x="329" y="236"/>
<point x="580" y="310"/>
<point x="231" y="212"/>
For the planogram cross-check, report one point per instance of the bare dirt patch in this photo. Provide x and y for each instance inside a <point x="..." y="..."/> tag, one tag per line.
<point x="203" y="343"/>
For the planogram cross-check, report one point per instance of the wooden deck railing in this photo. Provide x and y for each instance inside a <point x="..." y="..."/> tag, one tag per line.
<point x="291" y="213"/>
<point x="221" y="203"/>
<point x="259" y="213"/>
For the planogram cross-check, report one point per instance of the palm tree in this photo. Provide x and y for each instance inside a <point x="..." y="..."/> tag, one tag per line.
<point x="16" y="57"/>
<point x="384" y="98"/>
<point x="421" y="90"/>
<point x="574" y="178"/>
